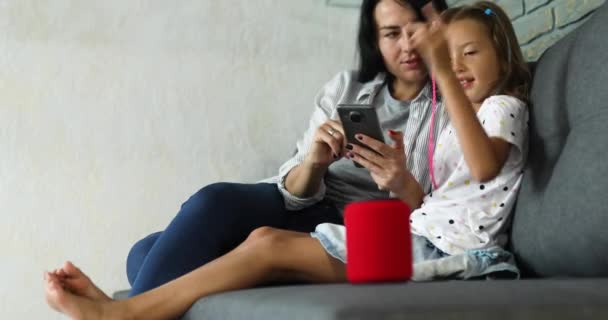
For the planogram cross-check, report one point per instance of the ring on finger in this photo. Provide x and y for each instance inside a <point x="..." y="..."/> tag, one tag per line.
<point x="331" y="131"/>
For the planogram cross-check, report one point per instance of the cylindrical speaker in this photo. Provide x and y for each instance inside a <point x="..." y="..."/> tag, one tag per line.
<point x="378" y="241"/>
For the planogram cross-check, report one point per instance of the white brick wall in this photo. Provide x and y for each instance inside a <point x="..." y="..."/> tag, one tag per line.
<point x="538" y="23"/>
<point x="541" y="23"/>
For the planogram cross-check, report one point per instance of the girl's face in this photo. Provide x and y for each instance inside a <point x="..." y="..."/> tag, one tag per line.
<point x="399" y="58"/>
<point x="474" y="59"/>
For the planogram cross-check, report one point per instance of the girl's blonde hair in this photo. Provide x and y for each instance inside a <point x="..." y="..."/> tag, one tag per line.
<point x="514" y="69"/>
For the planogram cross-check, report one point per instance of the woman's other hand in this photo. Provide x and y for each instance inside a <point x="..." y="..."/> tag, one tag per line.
<point x="328" y="144"/>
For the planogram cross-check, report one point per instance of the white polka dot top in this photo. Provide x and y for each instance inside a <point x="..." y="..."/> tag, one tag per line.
<point x="463" y="214"/>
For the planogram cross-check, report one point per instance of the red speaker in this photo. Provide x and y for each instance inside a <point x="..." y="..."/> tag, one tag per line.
<point x="378" y="241"/>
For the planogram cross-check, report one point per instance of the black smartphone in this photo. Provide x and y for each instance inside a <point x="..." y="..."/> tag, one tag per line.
<point x="359" y="118"/>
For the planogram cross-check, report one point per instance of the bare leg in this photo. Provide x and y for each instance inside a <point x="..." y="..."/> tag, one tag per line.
<point x="267" y="255"/>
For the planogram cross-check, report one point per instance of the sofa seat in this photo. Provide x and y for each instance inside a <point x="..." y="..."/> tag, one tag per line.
<point x="535" y="299"/>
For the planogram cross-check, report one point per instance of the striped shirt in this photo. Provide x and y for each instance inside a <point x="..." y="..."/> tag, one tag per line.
<point x="343" y="182"/>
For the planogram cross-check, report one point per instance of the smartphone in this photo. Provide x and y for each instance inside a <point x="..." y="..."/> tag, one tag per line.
<point x="359" y="118"/>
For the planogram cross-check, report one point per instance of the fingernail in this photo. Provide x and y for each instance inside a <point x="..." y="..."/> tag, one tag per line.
<point x="349" y="146"/>
<point x="391" y="132"/>
<point x="359" y="137"/>
<point x="350" y="155"/>
<point x="335" y="156"/>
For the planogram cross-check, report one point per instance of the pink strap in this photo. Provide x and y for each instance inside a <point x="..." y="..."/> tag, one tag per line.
<point x="431" y="140"/>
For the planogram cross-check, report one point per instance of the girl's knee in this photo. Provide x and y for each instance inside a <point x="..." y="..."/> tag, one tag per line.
<point x="261" y="233"/>
<point x="266" y="240"/>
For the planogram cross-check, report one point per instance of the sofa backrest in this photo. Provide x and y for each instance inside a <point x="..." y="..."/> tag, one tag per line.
<point x="560" y="222"/>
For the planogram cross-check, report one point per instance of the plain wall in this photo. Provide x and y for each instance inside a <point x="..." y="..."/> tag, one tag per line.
<point x="112" y="113"/>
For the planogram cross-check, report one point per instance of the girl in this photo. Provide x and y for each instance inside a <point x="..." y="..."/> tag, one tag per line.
<point x="169" y="273"/>
<point x="479" y="158"/>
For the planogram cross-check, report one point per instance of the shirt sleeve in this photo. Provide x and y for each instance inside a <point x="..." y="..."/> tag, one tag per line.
<point x="505" y="117"/>
<point x="325" y="109"/>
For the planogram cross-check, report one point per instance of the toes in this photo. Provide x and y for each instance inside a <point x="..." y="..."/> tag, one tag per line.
<point x="75" y="284"/>
<point x="53" y="284"/>
<point x="52" y="278"/>
<point x="49" y="276"/>
<point x="71" y="269"/>
<point x="58" y="273"/>
<point x="55" y="295"/>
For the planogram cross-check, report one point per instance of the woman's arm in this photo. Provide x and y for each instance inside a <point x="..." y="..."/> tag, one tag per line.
<point x="301" y="177"/>
<point x="305" y="179"/>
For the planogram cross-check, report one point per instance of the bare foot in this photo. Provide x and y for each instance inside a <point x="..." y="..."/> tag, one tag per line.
<point x="78" y="307"/>
<point x="75" y="281"/>
<point x="75" y="307"/>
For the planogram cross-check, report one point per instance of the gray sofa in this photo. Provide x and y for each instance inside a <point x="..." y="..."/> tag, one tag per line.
<point x="560" y="222"/>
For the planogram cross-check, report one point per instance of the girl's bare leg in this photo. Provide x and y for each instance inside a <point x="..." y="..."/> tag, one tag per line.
<point x="267" y="255"/>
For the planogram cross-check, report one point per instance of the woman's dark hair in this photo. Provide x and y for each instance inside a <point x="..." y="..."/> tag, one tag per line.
<point x="439" y="6"/>
<point x="370" y="58"/>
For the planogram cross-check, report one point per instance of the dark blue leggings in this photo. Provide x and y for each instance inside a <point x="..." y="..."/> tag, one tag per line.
<point x="212" y="222"/>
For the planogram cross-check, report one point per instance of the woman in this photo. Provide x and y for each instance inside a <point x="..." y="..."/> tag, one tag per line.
<point x="315" y="183"/>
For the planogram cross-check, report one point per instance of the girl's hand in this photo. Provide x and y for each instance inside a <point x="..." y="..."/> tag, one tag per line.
<point x="327" y="145"/>
<point x="387" y="163"/>
<point x="428" y="39"/>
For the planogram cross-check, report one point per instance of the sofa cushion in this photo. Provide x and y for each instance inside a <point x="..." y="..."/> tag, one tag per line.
<point x="501" y="299"/>
<point x="530" y="299"/>
<point x="560" y="225"/>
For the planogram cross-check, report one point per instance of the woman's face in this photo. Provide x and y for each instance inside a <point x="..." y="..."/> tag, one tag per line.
<point x="399" y="57"/>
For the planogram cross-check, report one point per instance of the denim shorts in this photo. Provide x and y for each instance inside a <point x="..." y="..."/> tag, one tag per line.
<point x="430" y="263"/>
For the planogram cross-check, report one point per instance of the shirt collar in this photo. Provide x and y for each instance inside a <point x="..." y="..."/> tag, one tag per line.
<point x="427" y="92"/>
<point x="371" y="88"/>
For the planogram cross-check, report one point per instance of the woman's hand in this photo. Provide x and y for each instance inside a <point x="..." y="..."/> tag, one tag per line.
<point x="388" y="168"/>
<point x="386" y="163"/>
<point x="327" y="145"/>
<point x="428" y="39"/>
